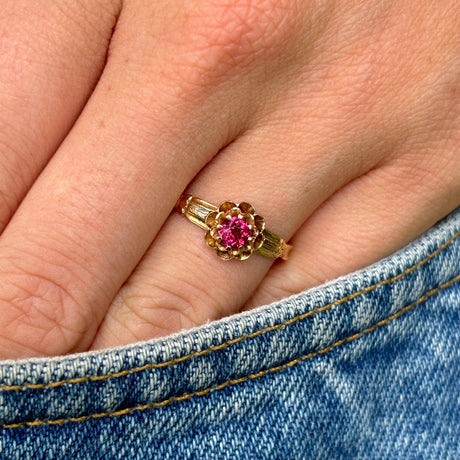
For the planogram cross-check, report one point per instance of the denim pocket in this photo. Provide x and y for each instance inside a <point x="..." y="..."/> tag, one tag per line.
<point x="364" y="366"/>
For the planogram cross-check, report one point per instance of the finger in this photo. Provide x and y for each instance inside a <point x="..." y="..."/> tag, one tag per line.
<point x="181" y="283"/>
<point x="328" y="136"/>
<point x="416" y="185"/>
<point x="50" y="59"/>
<point x="143" y="135"/>
<point x="373" y="217"/>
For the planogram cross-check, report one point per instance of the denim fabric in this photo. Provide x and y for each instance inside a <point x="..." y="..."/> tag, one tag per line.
<point x="366" y="366"/>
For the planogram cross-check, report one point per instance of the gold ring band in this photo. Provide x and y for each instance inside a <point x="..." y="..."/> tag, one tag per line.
<point x="234" y="230"/>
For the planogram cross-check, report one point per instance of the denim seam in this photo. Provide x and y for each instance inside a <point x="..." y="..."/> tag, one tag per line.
<point x="223" y="385"/>
<point x="95" y="378"/>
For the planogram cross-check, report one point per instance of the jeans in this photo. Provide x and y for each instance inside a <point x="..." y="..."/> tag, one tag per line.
<point x="366" y="366"/>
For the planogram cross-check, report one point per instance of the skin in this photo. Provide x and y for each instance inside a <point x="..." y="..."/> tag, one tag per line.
<point x="338" y="120"/>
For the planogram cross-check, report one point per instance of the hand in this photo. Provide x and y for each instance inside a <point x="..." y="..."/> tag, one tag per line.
<point x="337" y="120"/>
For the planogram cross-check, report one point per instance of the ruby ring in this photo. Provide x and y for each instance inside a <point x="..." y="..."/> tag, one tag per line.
<point x="234" y="230"/>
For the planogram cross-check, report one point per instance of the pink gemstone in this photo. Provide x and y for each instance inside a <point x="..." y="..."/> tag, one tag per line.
<point x="235" y="232"/>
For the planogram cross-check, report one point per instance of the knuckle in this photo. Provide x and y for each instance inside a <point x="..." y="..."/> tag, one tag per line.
<point x="229" y="33"/>
<point x="40" y="313"/>
<point x="192" y="47"/>
<point x="174" y="300"/>
<point x="162" y="307"/>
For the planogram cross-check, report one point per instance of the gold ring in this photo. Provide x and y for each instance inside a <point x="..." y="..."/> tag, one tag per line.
<point x="234" y="230"/>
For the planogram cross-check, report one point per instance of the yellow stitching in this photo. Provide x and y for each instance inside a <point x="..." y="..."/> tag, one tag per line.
<point x="95" y="378"/>
<point x="186" y="396"/>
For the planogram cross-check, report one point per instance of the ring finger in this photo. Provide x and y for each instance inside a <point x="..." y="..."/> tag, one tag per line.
<point x="180" y="282"/>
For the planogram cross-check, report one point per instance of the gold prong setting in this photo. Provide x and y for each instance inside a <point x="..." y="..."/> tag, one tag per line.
<point x="235" y="230"/>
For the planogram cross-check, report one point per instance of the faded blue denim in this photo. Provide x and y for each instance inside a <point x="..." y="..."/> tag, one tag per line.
<point x="367" y="366"/>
